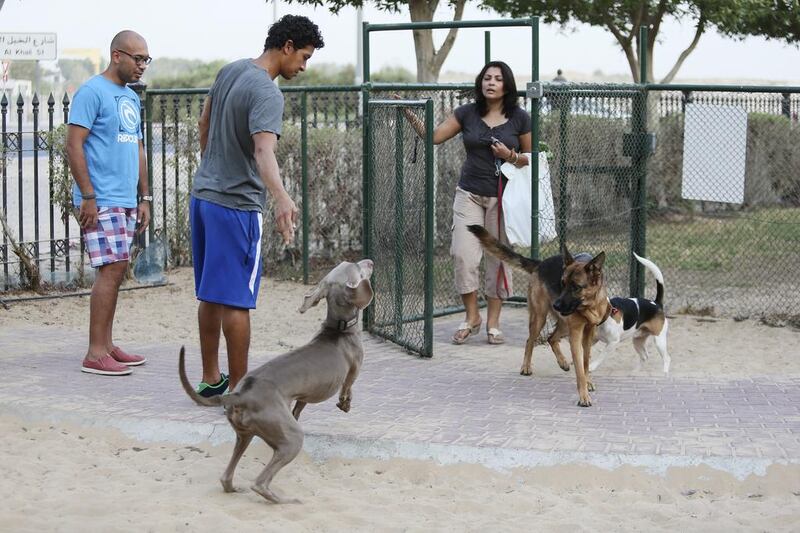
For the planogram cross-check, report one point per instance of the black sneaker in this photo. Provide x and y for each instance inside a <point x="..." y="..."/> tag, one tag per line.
<point x="207" y="391"/>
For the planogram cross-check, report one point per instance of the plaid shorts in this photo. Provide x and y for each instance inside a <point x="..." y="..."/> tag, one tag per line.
<point x="110" y="240"/>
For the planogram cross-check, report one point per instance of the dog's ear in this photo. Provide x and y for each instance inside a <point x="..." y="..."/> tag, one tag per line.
<point x="312" y="298"/>
<point x="568" y="259"/>
<point x="596" y="264"/>
<point x="362" y="294"/>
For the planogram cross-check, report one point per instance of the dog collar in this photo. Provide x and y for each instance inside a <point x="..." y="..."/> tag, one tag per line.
<point x="611" y="310"/>
<point x="343" y="325"/>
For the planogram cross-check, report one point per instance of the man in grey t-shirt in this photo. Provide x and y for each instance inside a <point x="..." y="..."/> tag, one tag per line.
<point x="239" y="128"/>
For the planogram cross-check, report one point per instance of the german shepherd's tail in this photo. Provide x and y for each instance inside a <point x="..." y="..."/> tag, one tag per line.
<point x="503" y="252"/>
<point x="656" y="272"/>
<point x="222" y="399"/>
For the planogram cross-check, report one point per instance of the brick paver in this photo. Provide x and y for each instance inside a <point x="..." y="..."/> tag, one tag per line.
<point x="467" y="403"/>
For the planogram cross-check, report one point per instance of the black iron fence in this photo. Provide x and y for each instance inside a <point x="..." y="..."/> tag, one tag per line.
<point x="37" y="232"/>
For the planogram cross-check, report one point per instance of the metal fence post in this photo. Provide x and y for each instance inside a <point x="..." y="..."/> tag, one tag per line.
<point x="64" y="167"/>
<point x="148" y="144"/>
<point x="430" y="215"/>
<point x="535" y="141"/>
<point x="51" y="105"/>
<point x="487" y="47"/>
<point x="304" y="177"/>
<point x="20" y="106"/>
<point x="366" y="227"/>
<point x="399" y="224"/>
<point x="4" y="113"/>
<point x="639" y="179"/>
<point x="35" y="104"/>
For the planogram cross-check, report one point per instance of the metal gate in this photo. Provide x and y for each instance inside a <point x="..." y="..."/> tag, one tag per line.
<point x="399" y="221"/>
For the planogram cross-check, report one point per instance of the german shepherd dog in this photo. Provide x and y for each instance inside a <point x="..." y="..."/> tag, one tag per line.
<point x="570" y="289"/>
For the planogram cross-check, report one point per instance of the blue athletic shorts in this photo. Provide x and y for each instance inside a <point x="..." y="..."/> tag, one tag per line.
<point x="226" y="250"/>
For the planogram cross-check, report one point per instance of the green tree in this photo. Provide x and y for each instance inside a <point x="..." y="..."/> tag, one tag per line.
<point x="775" y="19"/>
<point x="393" y="75"/>
<point x="332" y="74"/>
<point x="171" y="73"/>
<point x="75" y="72"/>
<point x="429" y="59"/>
<point x="324" y="74"/>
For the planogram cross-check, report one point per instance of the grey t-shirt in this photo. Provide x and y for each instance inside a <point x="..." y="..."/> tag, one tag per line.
<point x="244" y="101"/>
<point x="478" y="173"/>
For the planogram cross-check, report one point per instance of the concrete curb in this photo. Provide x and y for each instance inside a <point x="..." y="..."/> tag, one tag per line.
<point x="321" y="447"/>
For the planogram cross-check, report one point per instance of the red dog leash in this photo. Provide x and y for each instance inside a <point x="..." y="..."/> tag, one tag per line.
<point x="501" y="271"/>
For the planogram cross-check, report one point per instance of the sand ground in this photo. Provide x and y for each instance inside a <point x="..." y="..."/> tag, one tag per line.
<point x="62" y="477"/>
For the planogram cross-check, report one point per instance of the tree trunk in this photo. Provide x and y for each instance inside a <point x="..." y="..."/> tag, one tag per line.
<point x="430" y="60"/>
<point x="699" y="29"/>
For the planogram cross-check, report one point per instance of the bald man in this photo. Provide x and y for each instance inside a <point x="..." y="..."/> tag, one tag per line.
<point x="107" y="161"/>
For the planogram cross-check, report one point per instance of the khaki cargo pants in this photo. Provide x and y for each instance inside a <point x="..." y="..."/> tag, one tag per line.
<point x="466" y="250"/>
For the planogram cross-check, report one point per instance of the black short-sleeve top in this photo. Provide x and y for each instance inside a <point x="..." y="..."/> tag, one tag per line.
<point x="479" y="171"/>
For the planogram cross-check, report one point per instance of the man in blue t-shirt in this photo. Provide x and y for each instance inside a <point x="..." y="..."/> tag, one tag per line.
<point x="106" y="158"/>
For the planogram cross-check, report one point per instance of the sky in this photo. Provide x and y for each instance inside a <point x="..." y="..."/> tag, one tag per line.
<point x="231" y="29"/>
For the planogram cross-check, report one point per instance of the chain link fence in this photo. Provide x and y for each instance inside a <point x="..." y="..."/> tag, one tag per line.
<point x="613" y="162"/>
<point x="448" y="159"/>
<point x="723" y="190"/>
<point x="594" y="167"/>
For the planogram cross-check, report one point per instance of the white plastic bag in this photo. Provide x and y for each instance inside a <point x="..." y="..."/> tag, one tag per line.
<point x="517" y="203"/>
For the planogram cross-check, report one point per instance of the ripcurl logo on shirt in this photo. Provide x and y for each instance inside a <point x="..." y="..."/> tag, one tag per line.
<point x="128" y="113"/>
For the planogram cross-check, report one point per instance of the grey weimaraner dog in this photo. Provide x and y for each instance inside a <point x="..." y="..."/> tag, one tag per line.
<point x="261" y="403"/>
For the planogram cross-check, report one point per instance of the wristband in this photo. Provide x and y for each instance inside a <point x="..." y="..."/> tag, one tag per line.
<point x="92" y="196"/>
<point x="145" y="198"/>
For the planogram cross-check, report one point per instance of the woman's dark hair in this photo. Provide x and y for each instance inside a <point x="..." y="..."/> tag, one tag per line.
<point x="509" y="86"/>
<point x="298" y="29"/>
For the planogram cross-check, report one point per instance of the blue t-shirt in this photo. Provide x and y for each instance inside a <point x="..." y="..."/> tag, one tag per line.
<point x="112" y="114"/>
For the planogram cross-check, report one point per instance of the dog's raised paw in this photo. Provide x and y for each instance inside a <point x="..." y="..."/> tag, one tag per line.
<point x="590" y="386"/>
<point x="344" y="405"/>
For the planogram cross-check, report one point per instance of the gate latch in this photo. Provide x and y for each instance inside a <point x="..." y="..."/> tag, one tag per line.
<point x="636" y="144"/>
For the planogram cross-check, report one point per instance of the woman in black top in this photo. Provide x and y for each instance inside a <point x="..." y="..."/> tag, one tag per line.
<point x="494" y="130"/>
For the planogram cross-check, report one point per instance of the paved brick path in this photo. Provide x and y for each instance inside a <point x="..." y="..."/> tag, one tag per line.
<point x="466" y="404"/>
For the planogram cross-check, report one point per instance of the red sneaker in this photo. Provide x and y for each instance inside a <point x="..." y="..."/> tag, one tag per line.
<point x="128" y="359"/>
<point x="105" y="366"/>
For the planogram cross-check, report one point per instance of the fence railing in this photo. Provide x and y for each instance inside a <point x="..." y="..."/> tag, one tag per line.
<point x="720" y="255"/>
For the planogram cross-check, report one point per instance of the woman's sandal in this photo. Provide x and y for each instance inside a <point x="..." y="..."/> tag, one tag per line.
<point x="495" y="336"/>
<point x="471" y="330"/>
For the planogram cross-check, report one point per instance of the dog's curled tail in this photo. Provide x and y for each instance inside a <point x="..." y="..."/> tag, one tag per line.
<point x="224" y="400"/>
<point x="656" y="272"/>
<point x="501" y="251"/>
